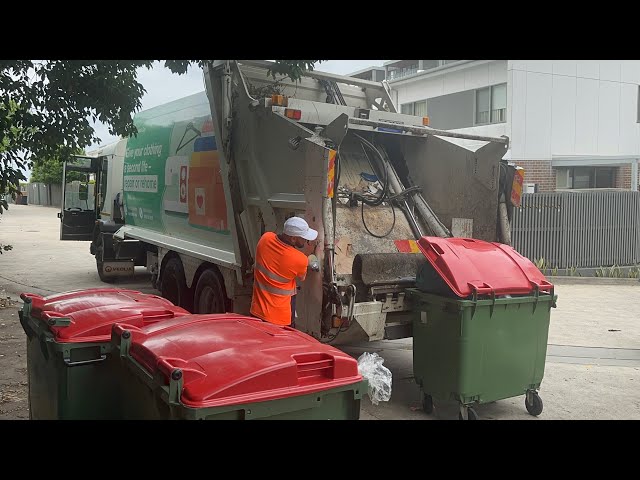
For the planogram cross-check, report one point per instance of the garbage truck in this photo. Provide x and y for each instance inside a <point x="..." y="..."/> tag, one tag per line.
<point x="207" y="175"/>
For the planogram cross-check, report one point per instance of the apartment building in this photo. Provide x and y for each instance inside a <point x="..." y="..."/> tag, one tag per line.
<point x="572" y="124"/>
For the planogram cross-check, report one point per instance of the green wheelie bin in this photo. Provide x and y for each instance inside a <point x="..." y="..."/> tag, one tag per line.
<point x="233" y="367"/>
<point x="70" y="372"/>
<point x="482" y="336"/>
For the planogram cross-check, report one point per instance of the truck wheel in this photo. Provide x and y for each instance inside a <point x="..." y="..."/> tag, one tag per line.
<point x="209" y="296"/>
<point x="99" y="264"/>
<point x="174" y="286"/>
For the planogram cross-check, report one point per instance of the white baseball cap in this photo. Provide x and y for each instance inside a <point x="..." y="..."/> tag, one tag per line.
<point x="298" y="227"/>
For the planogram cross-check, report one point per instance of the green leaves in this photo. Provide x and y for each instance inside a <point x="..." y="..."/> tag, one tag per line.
<point x="292" y="68"/>
<point x="46" y="107"/>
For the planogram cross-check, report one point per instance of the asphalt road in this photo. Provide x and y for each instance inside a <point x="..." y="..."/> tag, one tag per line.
<point x="593" y="357"/>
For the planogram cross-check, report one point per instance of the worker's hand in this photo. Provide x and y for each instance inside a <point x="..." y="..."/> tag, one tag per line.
<point x="313" y="263"/>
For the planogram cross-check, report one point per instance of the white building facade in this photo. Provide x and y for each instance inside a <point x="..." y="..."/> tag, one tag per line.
<point x="571" y="123"/>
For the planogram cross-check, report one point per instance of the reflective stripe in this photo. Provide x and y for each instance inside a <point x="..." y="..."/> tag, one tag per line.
<point x="275" y="290"/>
<point x="271" y="275"/>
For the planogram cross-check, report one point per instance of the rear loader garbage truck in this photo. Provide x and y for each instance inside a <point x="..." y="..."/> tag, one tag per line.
<point x="207" y="175"/>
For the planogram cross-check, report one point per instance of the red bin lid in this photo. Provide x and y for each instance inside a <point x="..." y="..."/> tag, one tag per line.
<point x="229" y="359"/>
<point x="469" y="265"/>
<point x="93" y="312"/>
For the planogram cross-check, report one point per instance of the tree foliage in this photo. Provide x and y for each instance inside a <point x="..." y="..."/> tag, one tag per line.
<point x="49" y="170"/>
<point x="46" y="107"/>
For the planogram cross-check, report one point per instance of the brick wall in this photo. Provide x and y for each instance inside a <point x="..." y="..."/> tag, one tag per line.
<point x="540" y="172"/>
<point x="623" y="177"/>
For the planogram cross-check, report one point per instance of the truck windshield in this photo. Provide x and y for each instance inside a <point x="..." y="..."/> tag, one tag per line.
<point x="79" y="191"/>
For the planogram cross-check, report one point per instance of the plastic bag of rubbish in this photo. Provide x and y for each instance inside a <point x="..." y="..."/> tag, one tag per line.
<point x="377" y="375"/>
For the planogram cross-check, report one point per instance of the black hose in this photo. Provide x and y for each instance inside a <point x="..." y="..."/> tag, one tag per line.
<point x="393" y="224"/>
<point x="385" y="186"/>
<point x="404" y="192"/>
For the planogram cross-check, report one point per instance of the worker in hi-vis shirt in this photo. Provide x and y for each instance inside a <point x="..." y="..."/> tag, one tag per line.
<point x="279" y="264"/>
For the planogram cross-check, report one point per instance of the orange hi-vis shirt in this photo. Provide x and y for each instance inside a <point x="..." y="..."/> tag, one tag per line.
<point x="274" y="279"/>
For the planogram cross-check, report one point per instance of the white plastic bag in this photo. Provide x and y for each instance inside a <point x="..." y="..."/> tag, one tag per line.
<point x="377" y="375"/>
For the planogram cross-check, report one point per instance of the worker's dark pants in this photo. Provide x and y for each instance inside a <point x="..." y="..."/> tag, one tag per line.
<point x="293" y="311"/>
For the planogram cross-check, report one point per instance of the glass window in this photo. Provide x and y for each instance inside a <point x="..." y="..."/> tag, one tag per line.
<point x="420" y="108"/>
<point x="582" y="177"/>
<point x="499" y="103"/>
<point x="586" y="177"/>
<point x="406" y="108"/>
<point x="483" y="105"/>
<point x="605" y="178"/>
<point x="563" y="178"/>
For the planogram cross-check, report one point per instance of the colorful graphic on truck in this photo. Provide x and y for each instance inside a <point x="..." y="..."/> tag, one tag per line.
<point x="172" y="180"/>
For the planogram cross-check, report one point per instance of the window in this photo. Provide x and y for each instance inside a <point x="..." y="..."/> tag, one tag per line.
<point x="585" y="177"/>
<point x="491" y="104"/>
<point x="420" y="108"/>
<point x="415" y="108"/>
<point x="499" y="103"/>
<point x="483" y="103"/>
<point x="406" y="108"/>
<point x="562" y="178"/>
<point x="452" y="111"/>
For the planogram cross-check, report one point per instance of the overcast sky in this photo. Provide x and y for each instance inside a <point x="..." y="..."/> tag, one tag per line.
<point x="162" y="86"/>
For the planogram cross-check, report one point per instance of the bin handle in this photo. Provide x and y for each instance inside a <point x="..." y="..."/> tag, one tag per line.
<point x="166" y="367"/>
<point x="118" y="328"/>
<point x="543" y="286"/>
<point x="149" y="316"/>
<point x="484" y="289"/>
<point x="56" y="319"/>
<point x="69" y="363"/>
<point x="28" y="297"/>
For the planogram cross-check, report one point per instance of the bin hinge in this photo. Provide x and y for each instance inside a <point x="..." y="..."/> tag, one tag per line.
<point x="175" y="386"/>
<point x="125" y="343"/>
<point x="536" y="295"/>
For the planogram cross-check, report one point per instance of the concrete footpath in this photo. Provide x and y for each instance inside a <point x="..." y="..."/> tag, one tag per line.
<point x="592" y="366"/>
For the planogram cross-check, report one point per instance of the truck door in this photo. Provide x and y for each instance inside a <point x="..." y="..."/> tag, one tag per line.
<point x="81" y="181"/>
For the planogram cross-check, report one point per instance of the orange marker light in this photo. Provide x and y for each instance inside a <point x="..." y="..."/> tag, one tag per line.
<point x="292" y="114"/>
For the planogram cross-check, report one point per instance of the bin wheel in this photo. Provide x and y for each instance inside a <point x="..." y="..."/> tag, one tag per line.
<point x="427" y="403"/>
<point x="471" y="415"/>
<point x="535" y="407"/>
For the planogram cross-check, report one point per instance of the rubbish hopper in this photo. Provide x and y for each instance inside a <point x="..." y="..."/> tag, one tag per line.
<point x="232" y="367"/>
<point x="70" y="372"/>
<point x="484" y="337"/>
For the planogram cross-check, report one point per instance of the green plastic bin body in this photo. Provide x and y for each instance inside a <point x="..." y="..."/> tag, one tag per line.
<point x="68" y="381"/>
<point x="71" y="372"/>
<point x="146" y="398"/>
<point x="239" y="368"/>
<point x="479" y="351"/>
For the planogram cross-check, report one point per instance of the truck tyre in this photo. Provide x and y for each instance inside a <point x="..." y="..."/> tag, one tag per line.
<point x="174" y="286"/>
<point x="209" y="296"/>
<point x="99" y="263"/>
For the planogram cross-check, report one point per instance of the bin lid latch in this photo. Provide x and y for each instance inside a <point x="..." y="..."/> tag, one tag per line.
<point x="482" y="288"/>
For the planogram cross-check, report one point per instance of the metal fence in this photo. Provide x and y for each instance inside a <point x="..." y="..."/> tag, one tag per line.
<point x="579" y="229"/>
<point x="43" y="194"/>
